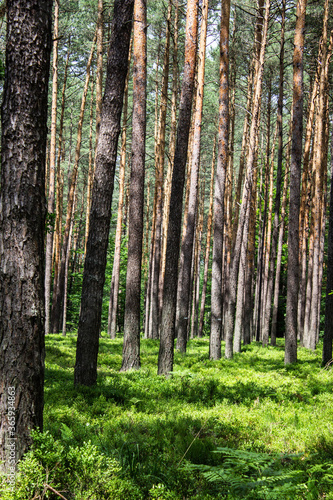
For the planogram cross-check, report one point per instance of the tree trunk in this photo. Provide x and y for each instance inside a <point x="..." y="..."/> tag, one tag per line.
<point x="22" y="226"/>
<point x="295" y="178"/>
<point x="328" y="330"/>
<point x="114" y="290"/>
<point x="208" y="241"/>
<point x="94" y="269"/>
<point x="159" y="161"/>
<point x="231" y="290"/>
<point x="131" y="346"/>
<point x="51" y="197"/>
<point x="57" y="302"/>
<point x="167" y="335"/>
<point x="221" y="172"/>
<point x="188" y="240"/>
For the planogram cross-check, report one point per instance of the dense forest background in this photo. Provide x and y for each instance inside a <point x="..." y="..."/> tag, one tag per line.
<point x="75" y="65"/>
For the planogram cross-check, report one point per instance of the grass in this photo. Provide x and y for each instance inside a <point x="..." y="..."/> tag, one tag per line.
<point x="154" y="430"/>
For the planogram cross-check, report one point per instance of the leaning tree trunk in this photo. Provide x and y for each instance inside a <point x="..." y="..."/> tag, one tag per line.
<point x="131" y="346"/>
<point x="100" y="214"/>
<point x="114" y="290"/>
<point x="22" y="226"/>
<point x="295" y="178"/>
<point x="57" y="302"/>
<point x="167" y="334"/>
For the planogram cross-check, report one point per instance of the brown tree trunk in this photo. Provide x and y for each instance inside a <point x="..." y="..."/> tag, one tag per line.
<point x="231" y="290"/>
<point x="131" y="346"/>
<point x="188" y="240"/>
<point x="94" y="269"/>
<point x="167" y="335"/>
<point x="221" y="172"/>
<point x="57" y="302"/>
<point x="328" y="329"/>
<point x="208" y="241"/>
<point x="295" y="178"/>
<point x="51" y="197"/>
<point x="159" y="161"/>
<point x="22" y="227"/>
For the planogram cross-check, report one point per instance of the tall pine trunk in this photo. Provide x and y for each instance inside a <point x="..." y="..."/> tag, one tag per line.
<point x="131" y="346"/>
<point x="221" y="172"/>
<point x="167" y="335"/>
<point x="22" y="225"/>
<point x="295" y="178"/>
<point x="85" y="372"/>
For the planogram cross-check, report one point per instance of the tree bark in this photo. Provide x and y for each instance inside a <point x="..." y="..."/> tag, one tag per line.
<point x="22" y="226"/>
<point x="295" y="178"/>
<point x="131" y="346"/>
<point x="188" y="240"/>
<point x="94" y="269"/>
<point x="221" y="172"/>
<point x="51" y="197"/>
<point x="57" y="301"/>
<point x="167" y="335"/>
<point x="114" y="290"/>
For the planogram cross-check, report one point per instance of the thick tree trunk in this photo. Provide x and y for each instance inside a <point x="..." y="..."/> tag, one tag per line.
<point x="167" y="335"/>
<point x="295" y="178"/>
<point x="22" y="226"/>
<point x="221" y="172"/>
<point x="131" y="346"/>
<point x="94" y="269"/>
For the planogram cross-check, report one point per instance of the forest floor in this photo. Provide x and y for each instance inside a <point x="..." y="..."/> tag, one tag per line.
<point x="242" y="428"/>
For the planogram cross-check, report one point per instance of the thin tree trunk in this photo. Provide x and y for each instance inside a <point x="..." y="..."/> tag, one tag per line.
<point x="131" y="346"/>
<point x="232" y="284"/>
<point x="160" y="154"/>
<point x="167" y="335"/>
<point x="114" y="291"/>
<point x="85" y="372"/>
<point x="188" y="240"/>
<point x="328" y="329"/>
<point x="56" y="315"/>
<point x="208" y="242"/>
<point x="68" y="253"/>
<point x="221" y="172"/>
<point x="295" y="178"/>
<point x="51" y="197"/>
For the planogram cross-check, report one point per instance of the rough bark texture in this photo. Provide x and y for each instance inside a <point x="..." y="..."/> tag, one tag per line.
<point x="221" y="172"/>
<point x="295" y="178"/>
<point x="131" y="346"/>
<point x="22" y="225"/>
<point x="100" y="214"/>
<point x="166" y="351"/>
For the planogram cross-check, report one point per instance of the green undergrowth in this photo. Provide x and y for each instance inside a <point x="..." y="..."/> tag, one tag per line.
<point x="230" y="429"/>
